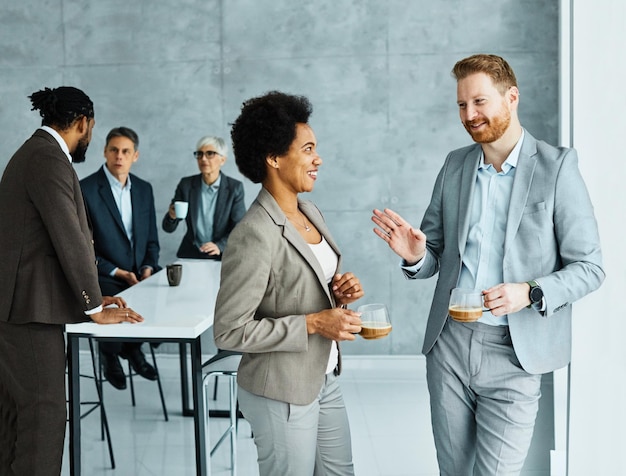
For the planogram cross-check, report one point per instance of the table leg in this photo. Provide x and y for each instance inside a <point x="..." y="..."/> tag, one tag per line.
<point x="73" y="367"/>
<point x="202" y="467"/>
<point x="184" y="380"/>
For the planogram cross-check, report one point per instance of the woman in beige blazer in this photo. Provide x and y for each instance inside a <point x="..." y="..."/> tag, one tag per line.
<point x="282" y="301"/>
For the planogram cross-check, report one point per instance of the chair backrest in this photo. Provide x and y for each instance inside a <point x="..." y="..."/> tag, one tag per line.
<point x="225" y="361"/>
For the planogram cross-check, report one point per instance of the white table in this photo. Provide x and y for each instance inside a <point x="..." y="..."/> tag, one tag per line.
<point x="172" y="314"/>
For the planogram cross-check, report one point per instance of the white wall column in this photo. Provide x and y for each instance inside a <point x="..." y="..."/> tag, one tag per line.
<point x="597" y="433"/>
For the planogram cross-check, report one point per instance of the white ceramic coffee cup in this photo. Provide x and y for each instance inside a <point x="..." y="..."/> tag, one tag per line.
<point x="180" y="208"/>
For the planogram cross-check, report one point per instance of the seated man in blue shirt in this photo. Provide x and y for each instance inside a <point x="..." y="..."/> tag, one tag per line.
<point x="121" y="208"/>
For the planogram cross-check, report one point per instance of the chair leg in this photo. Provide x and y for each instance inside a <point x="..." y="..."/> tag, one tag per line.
<point x="207" y="439"/>
<point x="99" y="379"/>
<point x="233" y="424"/>
<point x="132" y="386"/>
<point x="232" y="429"/>
<point x="159" y="384"/>
<point x="104" y="422"/>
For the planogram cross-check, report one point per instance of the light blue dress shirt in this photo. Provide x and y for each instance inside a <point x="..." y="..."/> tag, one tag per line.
<point x="206" y="212"/>
<point x="121" y="195"/>
<point x="482" y="261"/>
<point x="484" y="249"/>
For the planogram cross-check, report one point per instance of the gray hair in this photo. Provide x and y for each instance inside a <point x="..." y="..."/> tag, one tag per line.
<point x="217" y="142"/>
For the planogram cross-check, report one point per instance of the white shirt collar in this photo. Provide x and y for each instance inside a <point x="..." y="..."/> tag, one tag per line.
<point x="59" y="139"/>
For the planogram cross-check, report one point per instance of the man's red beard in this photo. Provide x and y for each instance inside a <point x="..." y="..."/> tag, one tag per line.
<point x="492" y="129"/>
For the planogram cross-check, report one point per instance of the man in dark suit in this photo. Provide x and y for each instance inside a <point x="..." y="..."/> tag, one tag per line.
<point x="48" y="279"/>
<point x="121" y="208"/>
<point x="216" y="203"/>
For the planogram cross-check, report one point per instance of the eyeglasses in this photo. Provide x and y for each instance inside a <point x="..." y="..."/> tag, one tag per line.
<point x="209" y="154"/>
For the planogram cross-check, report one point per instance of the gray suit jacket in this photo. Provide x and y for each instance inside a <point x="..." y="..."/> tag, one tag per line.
<point x="551" y="236"/>
<point x="47" y="258"/>
<point x="269" y="280"/>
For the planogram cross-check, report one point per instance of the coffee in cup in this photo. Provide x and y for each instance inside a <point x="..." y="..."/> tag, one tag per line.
<point x="374" y="321"/>
<point x="466" y="305"/>
<point x="374" y="330"/>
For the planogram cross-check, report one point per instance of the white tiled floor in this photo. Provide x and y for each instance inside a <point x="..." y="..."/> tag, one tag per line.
<point x="386" y="398"/>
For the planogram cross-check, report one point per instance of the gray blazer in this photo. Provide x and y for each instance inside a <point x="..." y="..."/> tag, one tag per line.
<point x="47" y="257"/>
<point x="269" y="280"/>
<point x="551" y="236"/>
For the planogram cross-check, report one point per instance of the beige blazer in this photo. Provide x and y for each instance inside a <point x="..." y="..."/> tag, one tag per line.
<point x="269" y="280"/>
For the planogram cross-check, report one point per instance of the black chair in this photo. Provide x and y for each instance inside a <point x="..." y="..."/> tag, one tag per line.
<point x="98" y="404"/>
<point x="130" y="375"/>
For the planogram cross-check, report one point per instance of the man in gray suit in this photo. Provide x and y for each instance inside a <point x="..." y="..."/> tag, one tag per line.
<point x="48" y="279"/>
<point x="510" y="216"/>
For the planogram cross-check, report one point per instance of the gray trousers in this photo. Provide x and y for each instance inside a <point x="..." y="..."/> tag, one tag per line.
<point x="301" y="440"/>
<point x="483" y="404"/>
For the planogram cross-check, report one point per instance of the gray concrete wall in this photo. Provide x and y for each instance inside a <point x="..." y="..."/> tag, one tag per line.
<point x="376" y="71"/>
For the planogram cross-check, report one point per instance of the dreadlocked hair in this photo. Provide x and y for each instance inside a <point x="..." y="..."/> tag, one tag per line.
<point x="61" y="106"/>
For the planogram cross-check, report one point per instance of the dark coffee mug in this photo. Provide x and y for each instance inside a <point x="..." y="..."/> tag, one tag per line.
<point x="174" y="274"/>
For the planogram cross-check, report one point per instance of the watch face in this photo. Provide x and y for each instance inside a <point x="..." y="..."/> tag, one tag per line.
<point x="536" y="294"/>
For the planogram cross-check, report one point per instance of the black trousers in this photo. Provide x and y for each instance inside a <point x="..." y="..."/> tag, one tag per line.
<point x="32" y="399"/>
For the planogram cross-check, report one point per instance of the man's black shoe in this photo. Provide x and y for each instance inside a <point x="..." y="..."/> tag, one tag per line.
<point x="113" y="370"/>
<point x="138" y="363"/>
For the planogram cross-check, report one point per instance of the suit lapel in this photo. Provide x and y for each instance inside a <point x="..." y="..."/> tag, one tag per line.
<point x="293" y="237"/>
<point x="195" y="198"/>
<point x="136" y="203"/>
<point x="223" y="197"/>
<point x="467" y="185"/>
<point x="314" y="215"/>
<point x="104" y="190"/>
<point x="521" y="188"/>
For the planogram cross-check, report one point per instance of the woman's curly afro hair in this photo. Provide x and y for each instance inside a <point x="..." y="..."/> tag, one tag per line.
<point x="266" y="127"/>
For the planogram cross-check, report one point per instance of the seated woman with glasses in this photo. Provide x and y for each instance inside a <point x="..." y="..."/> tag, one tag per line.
<point x="215" y="203"/>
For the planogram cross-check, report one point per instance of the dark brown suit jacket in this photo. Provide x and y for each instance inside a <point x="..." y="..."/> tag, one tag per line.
<point x="47" y="258"/>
